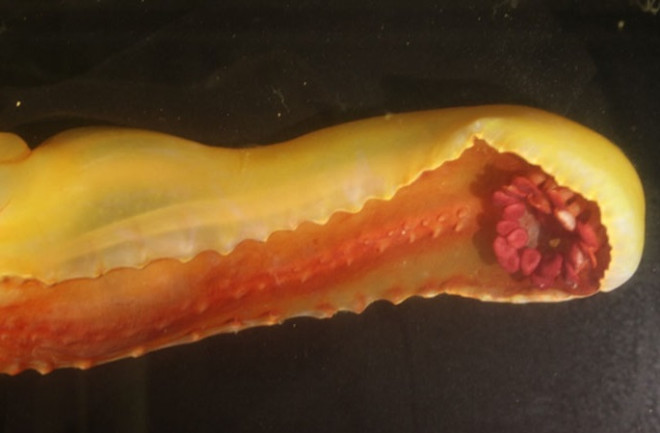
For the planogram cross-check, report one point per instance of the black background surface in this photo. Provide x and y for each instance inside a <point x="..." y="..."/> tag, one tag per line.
<point x="245" y="72"/>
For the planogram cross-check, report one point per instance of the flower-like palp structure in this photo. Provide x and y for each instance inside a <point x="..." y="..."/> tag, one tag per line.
<point x="547" y="232"/>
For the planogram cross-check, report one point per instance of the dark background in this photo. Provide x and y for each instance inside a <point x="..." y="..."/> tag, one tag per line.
<point x="245" y="72"/>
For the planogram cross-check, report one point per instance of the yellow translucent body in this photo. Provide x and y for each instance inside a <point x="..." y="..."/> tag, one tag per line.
<point x="95" y="199"/>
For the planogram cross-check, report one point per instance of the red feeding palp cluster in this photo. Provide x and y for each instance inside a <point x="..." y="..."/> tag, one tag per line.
<point x="544" y="232"/>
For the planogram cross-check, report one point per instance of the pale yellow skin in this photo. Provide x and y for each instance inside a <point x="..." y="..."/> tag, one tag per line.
<point x="94" y="199"/>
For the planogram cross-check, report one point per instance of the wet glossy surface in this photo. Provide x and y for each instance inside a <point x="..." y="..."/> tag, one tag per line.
<point x="427" y="365"/>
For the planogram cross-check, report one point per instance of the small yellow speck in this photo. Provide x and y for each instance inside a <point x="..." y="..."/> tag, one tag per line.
<point x="620" y="25"/>
<point x="18" y="104"/>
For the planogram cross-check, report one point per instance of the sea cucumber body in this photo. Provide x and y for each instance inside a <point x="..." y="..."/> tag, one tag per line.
<point x="114" y="242"/>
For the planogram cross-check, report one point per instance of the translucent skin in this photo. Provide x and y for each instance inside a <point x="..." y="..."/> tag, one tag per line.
<point x="116" y="242"/>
